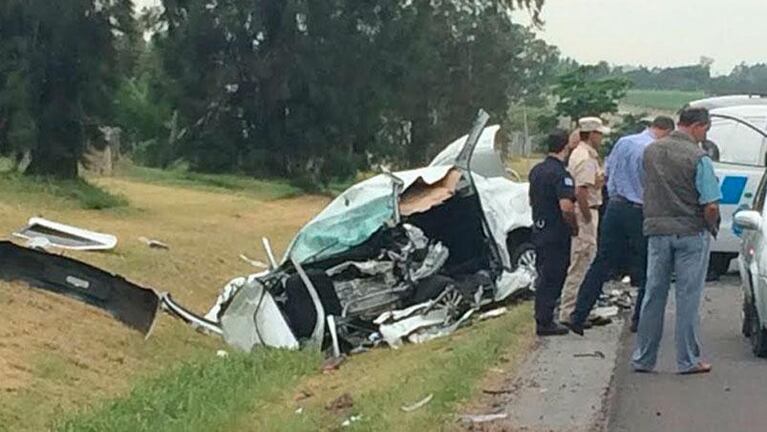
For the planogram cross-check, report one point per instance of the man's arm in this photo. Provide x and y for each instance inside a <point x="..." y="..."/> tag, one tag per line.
<point x="708" y="188"/>
<point x="568" y="213"/>
<point x="582" y="196"/>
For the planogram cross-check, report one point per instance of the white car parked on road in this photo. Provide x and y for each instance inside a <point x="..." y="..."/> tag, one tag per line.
<point x="753" y="270"/>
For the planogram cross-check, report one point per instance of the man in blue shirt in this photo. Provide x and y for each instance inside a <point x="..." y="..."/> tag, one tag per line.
<point x="622" y="225"/>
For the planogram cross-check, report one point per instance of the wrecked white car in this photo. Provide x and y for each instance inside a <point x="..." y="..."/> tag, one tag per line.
<point x="403" y="256"/>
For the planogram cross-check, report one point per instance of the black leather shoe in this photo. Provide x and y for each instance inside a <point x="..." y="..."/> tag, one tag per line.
<point x="553" y="329"/>
<point x="577" y="329"/>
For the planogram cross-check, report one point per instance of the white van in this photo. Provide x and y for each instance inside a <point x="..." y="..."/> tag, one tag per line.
<point x="740" y="135"/>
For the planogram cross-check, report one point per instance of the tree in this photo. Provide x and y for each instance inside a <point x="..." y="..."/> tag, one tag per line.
<point x="580" y="95"/>
<point x="318" y="89"/>
<point x="59" y="70"/>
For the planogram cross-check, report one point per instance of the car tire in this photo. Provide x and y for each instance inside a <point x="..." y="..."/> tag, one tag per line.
<point x="523" y="255"/>
<point x="718" y="265"/>
<point x="746" y="326"/>
<point x="758" y="334"/>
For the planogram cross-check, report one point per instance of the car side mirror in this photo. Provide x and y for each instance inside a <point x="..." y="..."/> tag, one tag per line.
<point x="748" y="220"/>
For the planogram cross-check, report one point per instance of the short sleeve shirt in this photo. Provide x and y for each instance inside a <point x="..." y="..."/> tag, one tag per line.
<point x="549" y="183"/>
<point x="706" y="182"/>
<point x="586" y="171"/>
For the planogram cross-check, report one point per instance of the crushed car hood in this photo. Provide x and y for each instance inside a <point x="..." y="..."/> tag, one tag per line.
<point x="360" y="211"/>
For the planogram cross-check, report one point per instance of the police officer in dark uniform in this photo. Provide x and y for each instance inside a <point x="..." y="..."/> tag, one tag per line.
<point x="552" y="197"/>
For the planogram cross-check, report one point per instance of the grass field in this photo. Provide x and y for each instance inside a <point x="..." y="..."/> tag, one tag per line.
<point x="665" y="100"/>
<point x="67" y="366"/>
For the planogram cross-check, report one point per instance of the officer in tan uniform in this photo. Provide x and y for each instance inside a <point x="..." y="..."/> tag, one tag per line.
<point x="586" y="170"/>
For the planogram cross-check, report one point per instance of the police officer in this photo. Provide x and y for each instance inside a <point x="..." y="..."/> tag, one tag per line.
<point x="552" y="197"/>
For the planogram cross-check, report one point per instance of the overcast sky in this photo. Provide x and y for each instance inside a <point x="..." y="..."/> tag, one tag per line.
<point x="658" y="32"/>
<point x="653" y="32"/>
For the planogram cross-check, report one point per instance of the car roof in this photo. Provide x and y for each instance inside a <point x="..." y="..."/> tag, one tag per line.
<point x="728" y="101"/>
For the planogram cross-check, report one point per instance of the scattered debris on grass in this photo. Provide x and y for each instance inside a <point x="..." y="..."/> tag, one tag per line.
<point x="64" y="236"/>
<point x="222" y="354"/>
<point x="154" y="244"/>
<point x="129" y="303"/>
<point x="495" y="313"/>
<point x="419" y="404"/>
<point x="255" y="263"/>
<point x="350" y="420"/>
<point x="482" y="418"/>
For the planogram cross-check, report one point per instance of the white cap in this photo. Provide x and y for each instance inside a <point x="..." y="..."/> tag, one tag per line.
<point x="593" y="124"/>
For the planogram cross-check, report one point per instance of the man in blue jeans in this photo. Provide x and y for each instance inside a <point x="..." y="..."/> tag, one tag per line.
<point x="681" y="211"/>
<point x="621" y="232"/>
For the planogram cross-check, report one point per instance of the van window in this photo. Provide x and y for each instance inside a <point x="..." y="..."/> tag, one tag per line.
<point x="737" y="143"/>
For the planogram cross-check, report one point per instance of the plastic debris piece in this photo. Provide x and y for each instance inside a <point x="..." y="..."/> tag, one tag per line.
<point x="493" y="313"/>
<point x="419" y="404"/>
<point x="254" y="263"/>
<point x="483" y="418"/>
<point x="154" y="244"/>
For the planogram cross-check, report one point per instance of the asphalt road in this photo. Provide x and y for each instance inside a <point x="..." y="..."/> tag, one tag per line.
<point x="733" y="397"/>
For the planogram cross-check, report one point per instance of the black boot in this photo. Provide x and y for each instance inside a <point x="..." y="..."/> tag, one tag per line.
<point x="552" y="329"/>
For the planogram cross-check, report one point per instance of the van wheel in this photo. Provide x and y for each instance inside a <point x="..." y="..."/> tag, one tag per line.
<point x="746" y="326"/>
<point x="718" y="265"/>
<point x="758" y="334"/>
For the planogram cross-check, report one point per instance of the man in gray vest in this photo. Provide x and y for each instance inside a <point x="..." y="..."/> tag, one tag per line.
<point x="681" y="212"/>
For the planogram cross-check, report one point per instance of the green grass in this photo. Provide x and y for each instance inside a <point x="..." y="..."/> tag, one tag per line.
<point x="667" y="100"/>
<point x="381" y="382"/>
<point x="260" y="189"/>
<point x="255" y="392"/>
<point x="78" y="192"/>
<point x="202" y="395"/>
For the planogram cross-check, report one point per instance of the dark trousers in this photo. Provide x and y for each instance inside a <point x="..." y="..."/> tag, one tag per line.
<point x="621" y="235"/>
<point x="552" y="261"/>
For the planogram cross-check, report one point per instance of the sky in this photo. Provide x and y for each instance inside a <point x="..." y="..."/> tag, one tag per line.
<point x="657" y="32"/>
<point x="652" y="32"/>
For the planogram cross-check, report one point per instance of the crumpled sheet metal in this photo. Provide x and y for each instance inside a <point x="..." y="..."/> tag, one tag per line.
<point x="422" y="196"/>
<point x="510" y="283"/>
<point x="253" y="318"/>
<point x="394" y="333"/>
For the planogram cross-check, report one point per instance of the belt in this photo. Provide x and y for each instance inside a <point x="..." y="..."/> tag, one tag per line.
<point x="622" y="200"/>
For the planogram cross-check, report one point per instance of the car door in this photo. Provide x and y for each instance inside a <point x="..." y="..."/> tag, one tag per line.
<point x="740" y="169"/>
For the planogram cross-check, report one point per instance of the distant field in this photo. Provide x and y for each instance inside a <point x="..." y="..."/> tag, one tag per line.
<point x="667" y="100"/>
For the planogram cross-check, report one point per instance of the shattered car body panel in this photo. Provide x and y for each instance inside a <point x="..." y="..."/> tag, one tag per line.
<point x="44" y="232"/>
<point x="429" y="246"/>
<point x="129" y="303"/>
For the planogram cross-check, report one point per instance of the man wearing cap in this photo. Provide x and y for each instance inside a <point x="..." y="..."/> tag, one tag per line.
<point x="552" y="198"/>
<point x="587" y="172"/>
<point x="622" y="225"/>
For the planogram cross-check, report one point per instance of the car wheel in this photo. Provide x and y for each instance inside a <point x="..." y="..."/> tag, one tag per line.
<point x="746" y="326"/>
<point x="718" y="265"/>
<point x="524" y="256"/>
<point x="758" y="334"/>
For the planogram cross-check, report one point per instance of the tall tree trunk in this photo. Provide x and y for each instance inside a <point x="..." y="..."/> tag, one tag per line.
<point x="59" y="142"/>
